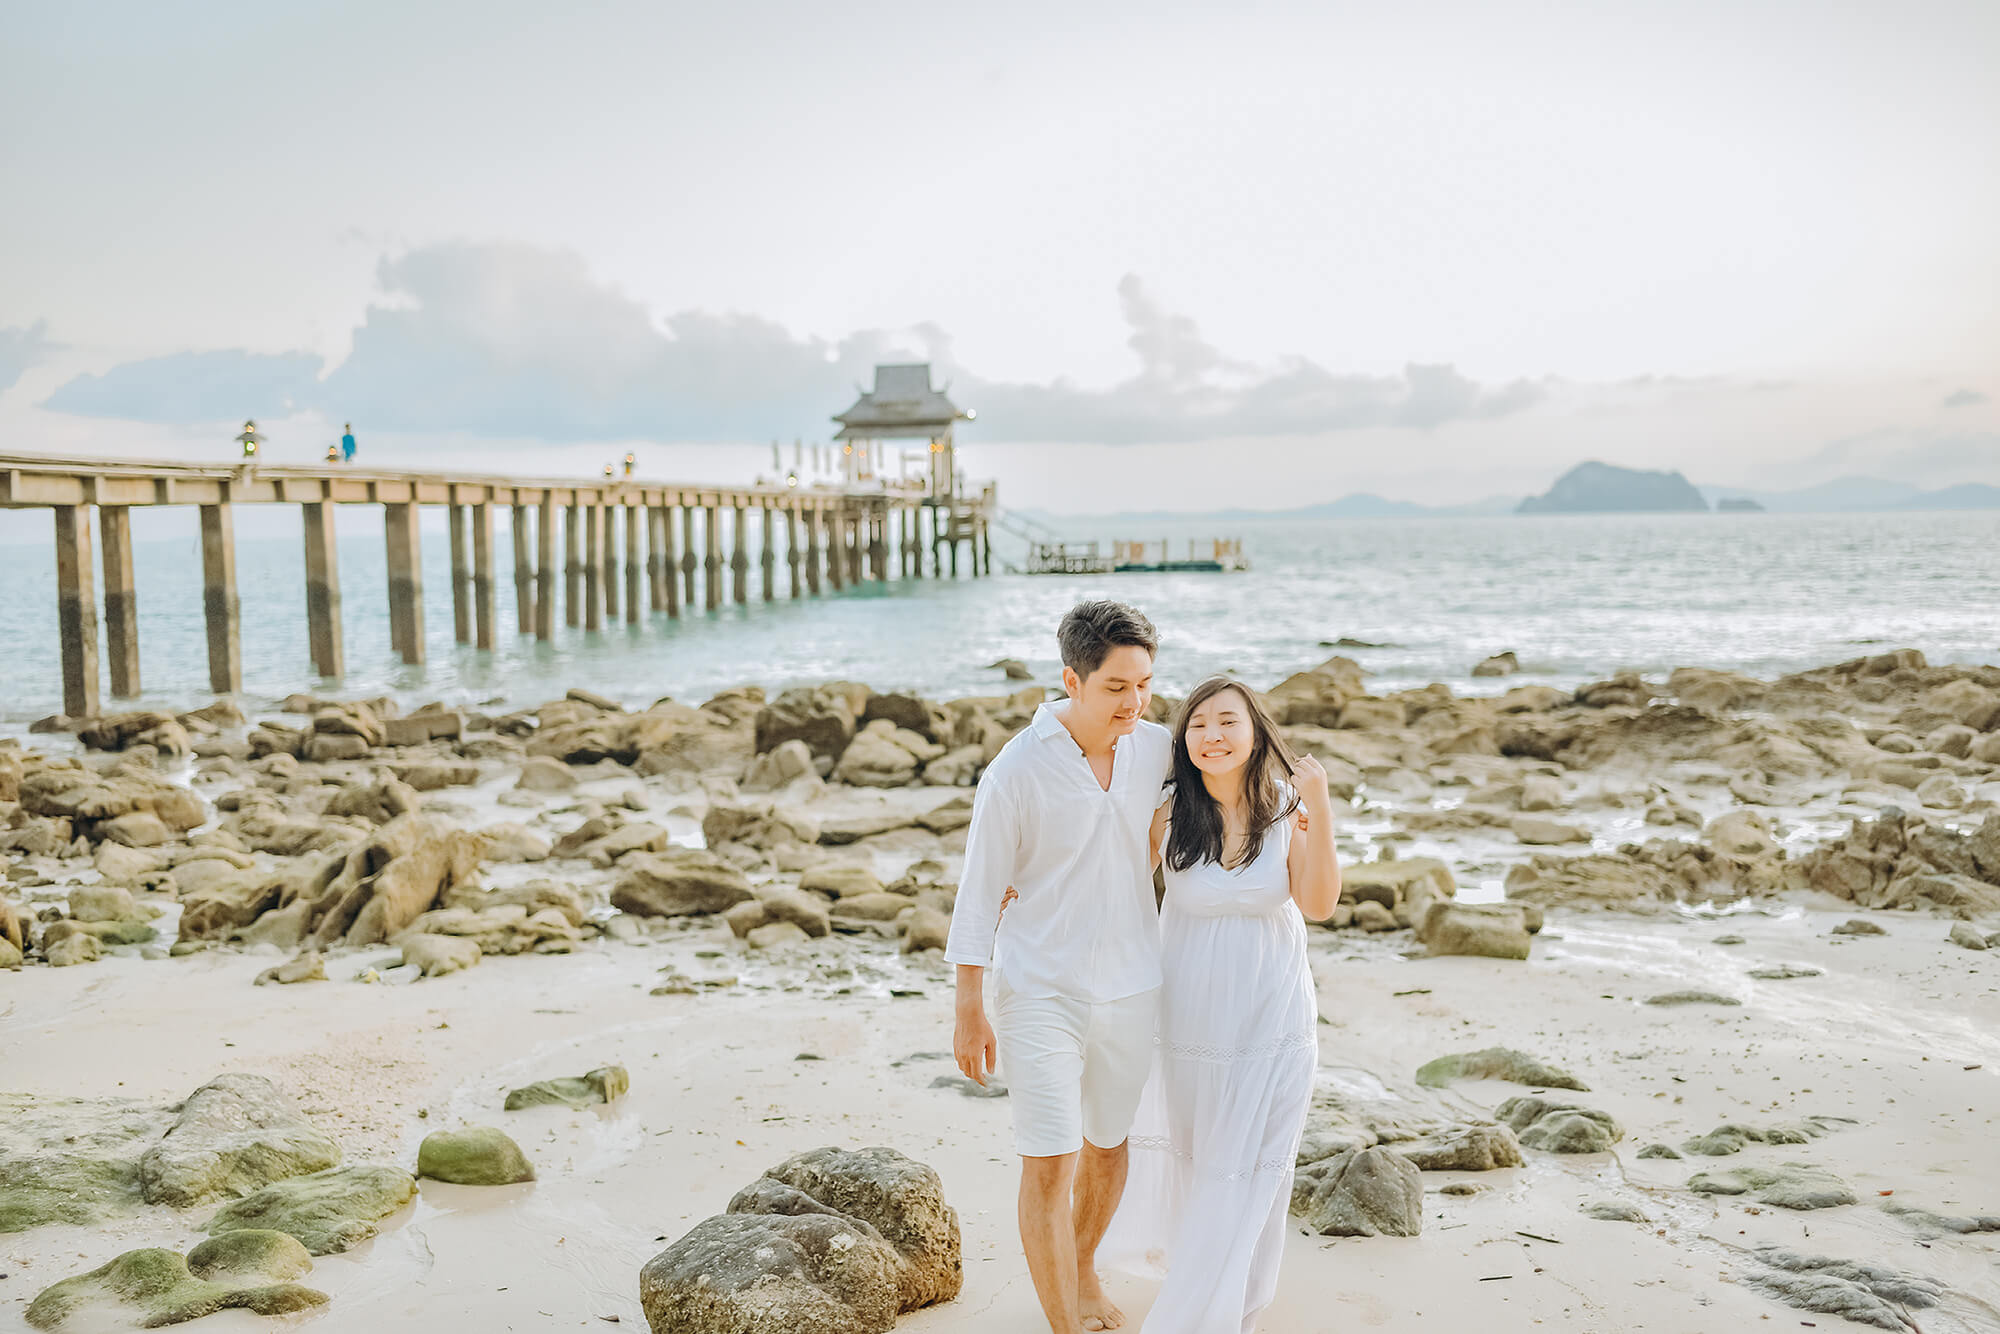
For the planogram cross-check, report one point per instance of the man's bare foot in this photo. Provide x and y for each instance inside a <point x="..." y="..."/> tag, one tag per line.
<point x="1092" y="1306"/>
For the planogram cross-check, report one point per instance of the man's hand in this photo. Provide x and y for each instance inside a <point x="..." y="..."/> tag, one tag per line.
<point x="973" y="1044"/>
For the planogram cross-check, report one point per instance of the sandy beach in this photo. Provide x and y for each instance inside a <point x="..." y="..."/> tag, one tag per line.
<point x="744" y="1050"/>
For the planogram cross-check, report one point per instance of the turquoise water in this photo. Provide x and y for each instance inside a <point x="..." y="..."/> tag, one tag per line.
<point x="1576" y="596"/>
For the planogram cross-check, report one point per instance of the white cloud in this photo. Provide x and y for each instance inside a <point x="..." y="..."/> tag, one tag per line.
<point x="517" y="342"/>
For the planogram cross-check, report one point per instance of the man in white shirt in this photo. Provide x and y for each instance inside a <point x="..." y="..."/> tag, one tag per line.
<point x="1062" y="817"/>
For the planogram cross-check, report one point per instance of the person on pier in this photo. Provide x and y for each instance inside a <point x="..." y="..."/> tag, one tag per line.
<point x="1061" y="816"/>
<point x="347" y="443"/>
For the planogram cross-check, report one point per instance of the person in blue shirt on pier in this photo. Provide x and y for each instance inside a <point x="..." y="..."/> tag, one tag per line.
<point x="347" y="443"/>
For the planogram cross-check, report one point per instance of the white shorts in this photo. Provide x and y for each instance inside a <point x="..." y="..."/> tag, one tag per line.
<point x="1074" y="1070"/>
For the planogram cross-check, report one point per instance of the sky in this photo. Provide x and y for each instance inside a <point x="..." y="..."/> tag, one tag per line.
<point x="1176" y="257"/>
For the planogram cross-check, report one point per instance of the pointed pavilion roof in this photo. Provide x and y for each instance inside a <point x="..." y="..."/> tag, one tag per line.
<point x="901" y="406"/>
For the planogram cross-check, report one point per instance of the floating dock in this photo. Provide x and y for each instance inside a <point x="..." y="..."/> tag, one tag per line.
<point x="1215" y="556"/>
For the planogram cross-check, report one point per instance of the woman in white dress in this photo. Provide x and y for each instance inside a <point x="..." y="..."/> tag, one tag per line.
<point x="1248" y="856"/>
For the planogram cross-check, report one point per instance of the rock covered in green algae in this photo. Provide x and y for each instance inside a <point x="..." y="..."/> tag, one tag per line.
<point x="1497" y="1063"/>
<point x="824" y="1272"/>
<point x="1733" y="1137"/>
<point x="1559" y="1127"/>
<point x="1789" y="1186"/>
<point x="250" y="1269"/>
<point x="328" y="1212"/>
<point x="231" y="1136"/>
<point x="71" y="1160"/>
<point x="606" y="1084"/>
<point x="475" y="1156"/>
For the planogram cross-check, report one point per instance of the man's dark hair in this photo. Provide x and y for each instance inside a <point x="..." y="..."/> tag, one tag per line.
<point x="1092" y="629"/>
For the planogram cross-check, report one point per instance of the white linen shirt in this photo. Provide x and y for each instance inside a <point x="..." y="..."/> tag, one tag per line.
<point x="1085" y="925"/>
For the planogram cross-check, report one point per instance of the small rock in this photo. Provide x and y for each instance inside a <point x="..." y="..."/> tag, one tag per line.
<point x="603" y="1085"/>
<point x="1692" y="998"/>
<point x="771" y="935"/>
<point x="1791" y="1186"/>
<point x="1659" y="1151"/>
<point x="992" y="1088"/>
<point x="475" y="1156"/>
<point x="1965" y="937"/>
<point x="543" y="774"/>
<point x="307" y="967"/>
<point x="1784" y="972"/>
<point x="1497" y="1063"/>
<point x="1615" y="1211"/>
<point x="1858" y="926"/>
<point x="1559" y="1127"/>
<point x="438" y="956"/>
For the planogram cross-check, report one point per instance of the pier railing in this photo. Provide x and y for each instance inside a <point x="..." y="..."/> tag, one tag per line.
<point x="848" y="533"/>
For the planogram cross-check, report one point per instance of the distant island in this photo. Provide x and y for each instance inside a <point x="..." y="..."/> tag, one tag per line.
<point x="1597" y="488"/>
<point x="1603" y="488"/>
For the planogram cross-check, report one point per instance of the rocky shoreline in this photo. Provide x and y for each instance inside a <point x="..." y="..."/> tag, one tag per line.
<point x="805" y="842"/>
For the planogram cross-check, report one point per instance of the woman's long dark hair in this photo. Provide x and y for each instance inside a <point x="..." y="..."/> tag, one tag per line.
<point x="1195" y="834"/>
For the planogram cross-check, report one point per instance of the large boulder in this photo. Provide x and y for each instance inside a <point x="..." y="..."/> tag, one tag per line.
<point x="378" y="802"/>
<point x="677" y="883"/>
<point x="1317" y="696"/>
<point x="1487" y="930"/>
<point x="89" y="799"/>
<point x="880" y="756"/>
<point x="823" y="719"/>
<point x="747" y="1273"/>
<point x="1366" y="1192"/>
<point x="1597" y="881"/>
<point x="231" y="1136"/>
<point x="72" y="1160"/>
<point x="391" y="879"/>
<point x="328" y="1212"/>
<point x="902" y="1199"/>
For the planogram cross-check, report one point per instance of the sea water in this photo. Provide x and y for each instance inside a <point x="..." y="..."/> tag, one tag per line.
<point x="1576" y="597"/>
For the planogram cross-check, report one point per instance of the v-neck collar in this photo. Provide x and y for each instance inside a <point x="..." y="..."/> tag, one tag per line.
<point x="1048" y="722"/>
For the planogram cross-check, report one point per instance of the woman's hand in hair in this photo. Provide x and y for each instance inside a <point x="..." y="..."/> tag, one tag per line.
<point x="1309" y="781"/>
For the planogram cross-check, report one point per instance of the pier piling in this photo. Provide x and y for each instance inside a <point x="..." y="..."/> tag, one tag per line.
<point x="322" y="590"/>
<point x="461" y="578"/>
<point x="404" y="543"/>
<point x="711" y="537"/>
<point x="670" y="571"/>
<point x="482" y="576"/>
<point x="76" y="610"/>
<point x="524" y="572"/>
<point x="810" y="520"/>
<point x="634" y="563"/>
<point x="219" y="601"/>
<point x="121" y="601"/>
<point x="769" y="556"/>
<point x="573" y="565"/>
<point x="593" y="569"/>
<point x="607" y="526"/>
<point x="545" y="568"/>
<point x="739" y="560"/>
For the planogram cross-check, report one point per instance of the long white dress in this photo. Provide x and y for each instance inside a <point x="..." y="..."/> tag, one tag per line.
<point x="1218" y="1128"/>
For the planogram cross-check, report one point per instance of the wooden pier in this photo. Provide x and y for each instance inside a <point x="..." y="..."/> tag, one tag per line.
<point x="846" y="529"/>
